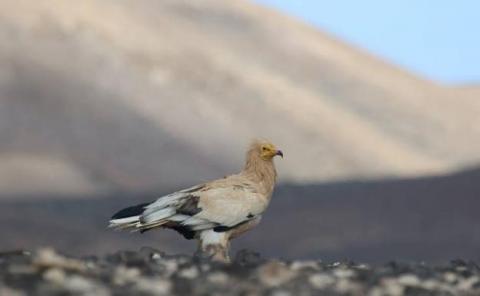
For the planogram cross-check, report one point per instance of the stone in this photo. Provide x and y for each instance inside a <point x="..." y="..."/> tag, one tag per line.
<point x="124" y="275"/>
<point x="218" y="278"/>
<point x="151" y="272"/>
<point x="153" y="286"/>
<point x="189" y="273"/>
<point x="55" y="275"/>
<point x="47" y="257"/>
<point x="321" y="280"/>
<point x="275" y="273"/>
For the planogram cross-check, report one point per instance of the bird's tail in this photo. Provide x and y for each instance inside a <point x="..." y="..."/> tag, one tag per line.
<point x="137" y="218"/>
<point x="162" y="212"/>
<point x="128" y="218"/>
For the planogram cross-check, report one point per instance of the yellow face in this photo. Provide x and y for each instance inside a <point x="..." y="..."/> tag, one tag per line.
<point x="268" y="151"/>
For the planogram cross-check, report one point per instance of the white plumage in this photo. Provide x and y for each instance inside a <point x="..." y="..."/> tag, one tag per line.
<point x="213" y="212"/>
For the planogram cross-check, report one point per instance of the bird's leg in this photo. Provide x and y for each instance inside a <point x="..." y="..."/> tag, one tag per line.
<point x="218" y="253"/>
<point x="215" y="245"/>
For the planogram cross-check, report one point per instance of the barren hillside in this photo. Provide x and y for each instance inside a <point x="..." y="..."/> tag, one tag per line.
<point x="100" y="96"/>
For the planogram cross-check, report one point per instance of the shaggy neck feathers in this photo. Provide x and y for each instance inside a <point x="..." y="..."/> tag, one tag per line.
<point x="260" y="170"/>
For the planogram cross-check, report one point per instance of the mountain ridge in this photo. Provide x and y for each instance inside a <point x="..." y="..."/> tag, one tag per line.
<point x="132" y="96"/>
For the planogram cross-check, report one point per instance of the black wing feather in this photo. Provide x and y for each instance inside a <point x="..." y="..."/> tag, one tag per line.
<point x="130" y="211"/>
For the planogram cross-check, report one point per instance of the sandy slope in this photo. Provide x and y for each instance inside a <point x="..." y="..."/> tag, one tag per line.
<point x="136" y="95"/>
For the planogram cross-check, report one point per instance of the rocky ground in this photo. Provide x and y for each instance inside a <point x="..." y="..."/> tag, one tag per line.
<point x="151" y="272"/>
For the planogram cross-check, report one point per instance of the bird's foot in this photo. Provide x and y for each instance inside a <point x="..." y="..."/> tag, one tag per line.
<point x="216" y="253"/>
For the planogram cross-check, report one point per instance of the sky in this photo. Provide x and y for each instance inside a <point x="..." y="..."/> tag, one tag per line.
<point x="436" y="39"/>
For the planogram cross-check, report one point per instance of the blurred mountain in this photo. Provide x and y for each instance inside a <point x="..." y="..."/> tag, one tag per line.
<point x="102" y="96"/>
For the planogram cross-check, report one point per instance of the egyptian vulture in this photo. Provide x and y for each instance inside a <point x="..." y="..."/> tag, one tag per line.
<point x="213" y="212"/>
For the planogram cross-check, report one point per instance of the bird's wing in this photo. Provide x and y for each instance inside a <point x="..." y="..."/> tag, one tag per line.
<point x="227" y="204"/>
<point x="221" y="204"/>
<point x="174" y="203"/>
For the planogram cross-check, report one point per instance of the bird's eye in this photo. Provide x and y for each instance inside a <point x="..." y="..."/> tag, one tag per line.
<point x="264" y="148"/>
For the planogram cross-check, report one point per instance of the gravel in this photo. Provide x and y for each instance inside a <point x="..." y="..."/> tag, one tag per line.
<point x="152" y="272"/>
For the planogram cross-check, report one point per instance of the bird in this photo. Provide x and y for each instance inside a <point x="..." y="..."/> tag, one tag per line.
<point x="215" y="212"/>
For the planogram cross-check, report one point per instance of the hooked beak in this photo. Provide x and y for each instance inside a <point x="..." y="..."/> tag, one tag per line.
<point x="279" y="153"/>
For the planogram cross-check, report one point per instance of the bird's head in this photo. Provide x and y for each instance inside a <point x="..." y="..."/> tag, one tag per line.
<point x="266" y="150"/>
